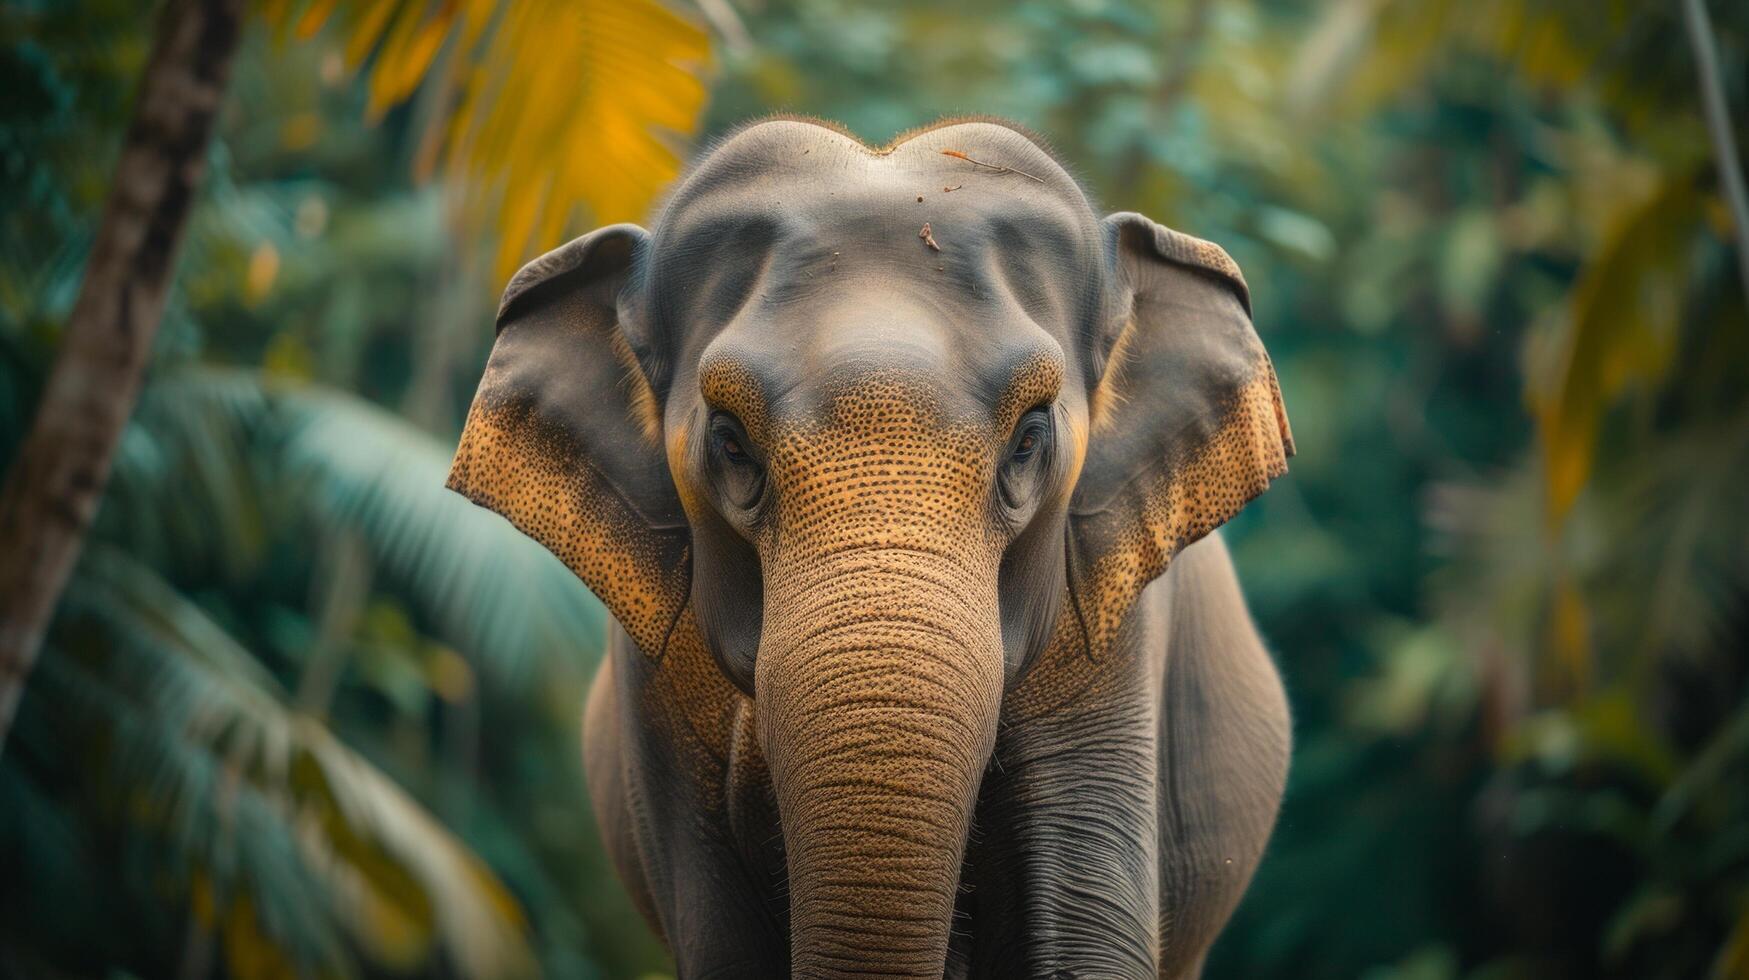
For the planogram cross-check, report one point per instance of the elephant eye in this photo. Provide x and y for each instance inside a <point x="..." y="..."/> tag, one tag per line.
<point x="729" y="439"/>
<point x="1019" y="479"/>
<point x="742" y="480"/>
<point x="1030" y="435"/>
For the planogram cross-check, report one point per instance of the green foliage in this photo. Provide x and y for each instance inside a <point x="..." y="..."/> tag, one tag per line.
<point x="1507" y="577"/>
<point x="280" y="839"/>
<point x="304" y="711"/>
<point x="188" y="735"/>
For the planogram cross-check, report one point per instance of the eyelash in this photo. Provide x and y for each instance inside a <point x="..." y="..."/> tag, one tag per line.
<point x="730" y="443"/>
<point x="1035" y="429"/>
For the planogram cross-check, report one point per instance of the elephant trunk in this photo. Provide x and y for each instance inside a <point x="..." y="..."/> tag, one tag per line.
<point x="879" y="679"/>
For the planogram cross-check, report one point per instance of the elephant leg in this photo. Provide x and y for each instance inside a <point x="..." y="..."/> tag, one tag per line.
<point x="604" y="771"/>
<point x="1224" y="746"/>
<point x="1063" y="875"/>
<point x="693" y="887"/>
<point x="715" y="902"/>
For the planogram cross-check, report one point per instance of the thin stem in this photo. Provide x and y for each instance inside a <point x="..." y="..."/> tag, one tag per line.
<point x="341" y="587"/>
<point x="1718" y="124"/>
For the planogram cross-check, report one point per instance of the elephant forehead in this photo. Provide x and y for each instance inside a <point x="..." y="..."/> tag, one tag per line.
<point x="795" y="160"/>
<point x="786" y="211"/>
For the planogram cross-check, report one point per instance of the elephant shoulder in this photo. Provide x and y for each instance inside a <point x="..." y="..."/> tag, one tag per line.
<point x="1200" y="579"/>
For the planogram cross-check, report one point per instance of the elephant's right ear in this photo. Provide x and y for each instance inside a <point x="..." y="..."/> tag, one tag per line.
<point x="1188" y="423"/>
<point x="562" y="438"/>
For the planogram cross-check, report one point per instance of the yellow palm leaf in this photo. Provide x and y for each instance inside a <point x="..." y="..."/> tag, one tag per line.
<point x="1620" y="331"/>
<point x="567" y="109"/>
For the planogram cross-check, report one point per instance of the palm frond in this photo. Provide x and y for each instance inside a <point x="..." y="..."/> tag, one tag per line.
<point x="293" y="837"/>
<point x="1621" y="332"/>
<point x="216" y="455"/>
<point x="1362" y="53"/>
<point x="1685" y="547"/>
<point x="551" y="105"/>
<point x="1657" y="552"/>
<point x="184" y="493"/>
<point x="486" y="588"/>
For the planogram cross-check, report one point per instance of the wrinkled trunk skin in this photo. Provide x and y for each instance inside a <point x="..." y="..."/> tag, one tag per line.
<point x="878" y="683"/>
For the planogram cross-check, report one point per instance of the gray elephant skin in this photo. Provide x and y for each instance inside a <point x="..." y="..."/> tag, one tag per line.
<point x="897" y="469"/>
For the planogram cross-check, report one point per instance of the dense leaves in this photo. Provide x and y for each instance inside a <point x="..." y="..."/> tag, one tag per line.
<point x="304" y="712"/>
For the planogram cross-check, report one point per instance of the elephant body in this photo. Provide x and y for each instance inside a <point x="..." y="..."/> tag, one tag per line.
<point x="1115" y="832"/>
<point x="897" y="469"/>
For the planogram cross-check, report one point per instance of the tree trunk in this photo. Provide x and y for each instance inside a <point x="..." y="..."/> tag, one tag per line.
<point x="52" y="492"/>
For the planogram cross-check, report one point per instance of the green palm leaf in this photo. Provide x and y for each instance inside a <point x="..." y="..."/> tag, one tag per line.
<point x="216" y="455"/>
<point x="486" y="588"/>
<point x="294" y="841"/>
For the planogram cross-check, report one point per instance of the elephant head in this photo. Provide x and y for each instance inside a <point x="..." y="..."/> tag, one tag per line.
<point x="879" y="418"/>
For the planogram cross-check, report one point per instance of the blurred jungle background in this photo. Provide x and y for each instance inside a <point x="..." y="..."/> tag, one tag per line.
<point x="301" y="712"/>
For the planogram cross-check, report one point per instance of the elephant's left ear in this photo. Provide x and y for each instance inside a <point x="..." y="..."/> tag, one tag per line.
<point x="1187" y="419"/>
<point x="562" y="438"/>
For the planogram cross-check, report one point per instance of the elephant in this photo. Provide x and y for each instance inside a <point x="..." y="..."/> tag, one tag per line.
<point x="880" y="460"/>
